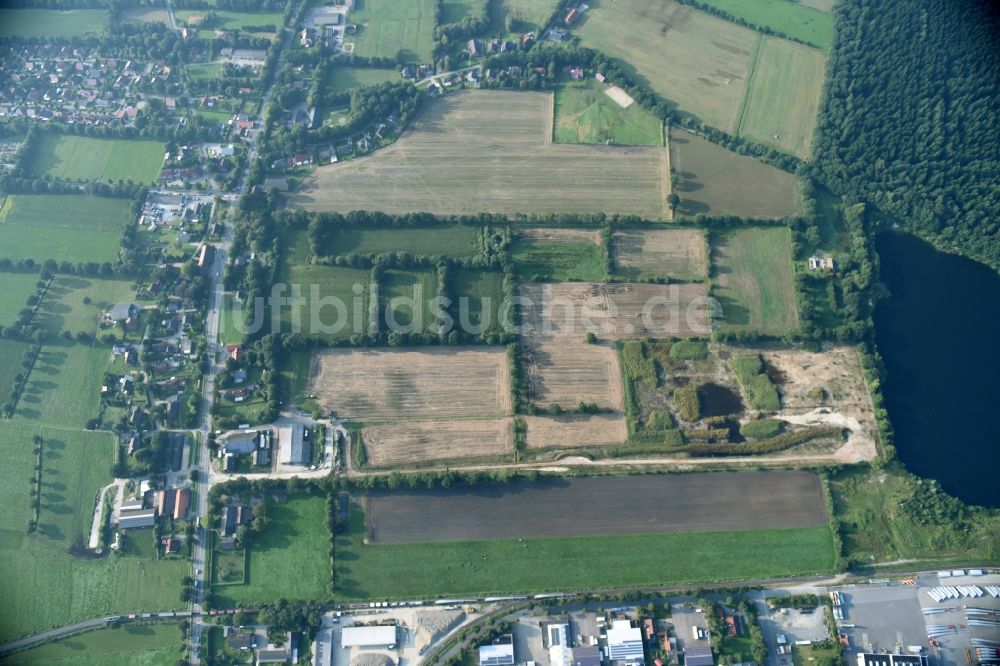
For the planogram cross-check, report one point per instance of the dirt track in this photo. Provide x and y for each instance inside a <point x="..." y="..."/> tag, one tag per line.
<point x="600" y="506"/>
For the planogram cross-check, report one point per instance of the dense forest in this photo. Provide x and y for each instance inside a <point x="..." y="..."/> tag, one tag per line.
<point x="910" y="117"/>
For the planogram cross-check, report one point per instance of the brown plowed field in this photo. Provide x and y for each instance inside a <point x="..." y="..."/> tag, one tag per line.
<point x="601" y="506"/>
<point x="416" y="441"/>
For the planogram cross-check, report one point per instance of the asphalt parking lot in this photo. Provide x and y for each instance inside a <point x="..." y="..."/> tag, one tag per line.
<point x="884" y="617"/>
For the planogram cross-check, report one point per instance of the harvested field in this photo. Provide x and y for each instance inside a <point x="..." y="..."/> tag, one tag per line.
<point x="629" y="505"/>
<point x="574" y="430"/>
<point x="560" y="235"/>
<point x="716" y="181"/>
<point x="491" y="151"/>
<point x="681" y="254"/>
<point x="621" y="98"/>
<point x="567" y="372"/>
<point x="411" y="442"/>
<point x="430" y="383"/>
<point x="617" y="311"/>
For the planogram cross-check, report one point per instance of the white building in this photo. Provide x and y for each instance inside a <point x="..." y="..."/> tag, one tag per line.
<point x="368" y="637"/>
<point x="625" y="642"/>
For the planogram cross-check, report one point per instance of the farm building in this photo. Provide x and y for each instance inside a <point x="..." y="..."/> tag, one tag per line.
<point x="165" y="501"/>
<point x="294" y="445"/>
<point x="240" y="443"/>
<point x="182" y="500"/>
<point x="698" y="656"/>
<point x="498" y="653"/>
<point x="134" y="518"/>
<point x="368" y="637"/>
<point x="625" y="643"/>
<point x="121" y="312"/>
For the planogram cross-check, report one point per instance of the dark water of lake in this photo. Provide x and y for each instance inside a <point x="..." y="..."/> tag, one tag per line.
<point x="939" y="334"/>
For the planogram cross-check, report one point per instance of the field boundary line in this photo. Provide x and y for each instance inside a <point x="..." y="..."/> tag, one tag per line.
<point x="749" y="86"/>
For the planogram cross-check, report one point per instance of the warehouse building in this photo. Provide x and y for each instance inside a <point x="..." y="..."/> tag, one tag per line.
<point x="625" y="643"/>
<point x="368" y="637"/>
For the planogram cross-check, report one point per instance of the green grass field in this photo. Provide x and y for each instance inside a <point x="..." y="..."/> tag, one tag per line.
<point x="781" y="107"/>
<point x="64" y="227"/>
<point x="289" y="559"/>
<point x="230" y="323"/>
<point x="785" y="16"/>
<point x="585" y="114"/>
<point x="527" y="15"/>
<point x="453" y="240"/>
<point x="386" y="27"/>
<point x="83" y="158"/>
<point x="11" y="353"/>
<point x="42" y="584"/>
<point x="65" y="307"/>
<point x="476" y="287"/>
<point x="147" y="15"/>
<point x="540" y="261"/>
<point x="133" y="645"/>
<point x="533" y="565"/>
<point x="349" y="78"/>
<point x="418" y="288"/>
<point x="752" y="276"/>
<point x="64" y="388"/>
<point x="453" y="11"/>
<point x="332" y="284"/>
<point x="17" y="287"/>
<point x="203" y="71"/>
<point x="230" y="20"/>
<point x="51" y="23"/>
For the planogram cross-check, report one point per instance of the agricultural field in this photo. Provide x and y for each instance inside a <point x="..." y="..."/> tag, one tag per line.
<point x="584" y="113"/>
<point x="46" y="585"/>
<point x="40" y="226"/>
<point x="387" y="27"/>
<point x="753" y="281"/>
<point x="677" y="254"/>
<point x="232" y="20"/>
<point x="796" y="19"/>
<point x="75" y="303"/>
<point x="716" y="55"/>
<point x="131" y="645"/>
<point x="566" y="372"/>
<point x="478" y="299"/>
<point x="497" y="144"/>
<point x="405" y="299"/>
<point x="783" y="102"/>
<point x="343" y="78"/>
<point x="50" y="23"/>
<point x="64" y="388"/>
<point x="413" y="443"/>
<point x="617" y="310"/>
<point x="147" y="15"/>
<point x="556" y="255"/>
<point x="527" y="15"/>
<point x="290" y="559"/>
<point x="17" y="287"/>
<point x="452" y="240"/>
<point x="322" y="288"/>
<point x="525" y="563"/>
<point x="707" y="502"/>
<point x="574" y="431"/>
<point x="426" y="383"/>
<point x="715" y="181"/>
<point x="11" y="353"/>
<point x="83" y="158"/>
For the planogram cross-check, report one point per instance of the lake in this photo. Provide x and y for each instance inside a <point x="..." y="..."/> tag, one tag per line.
<point x="939" y="334"/>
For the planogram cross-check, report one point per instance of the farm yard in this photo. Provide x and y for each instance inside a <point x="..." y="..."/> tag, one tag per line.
<point x="753" y="281"/>
<point x="289" y="559"/>
<point x="708" y="502"/>
<point x="388" y="27"/>
<point x="585" y="113"/>
<point x="78" y="228"/>
<point x="574" y="431"/>
<point x="677" y="254"/>
<point x="783" y="102"/>
<point x="83" y="158"/>
<point x="428" y="383"/>
<point x="30" y="22"/>
<point x="485" y="540"/>
<point x="412" y="443"/>
<point x="497" y="144"/>
<point x="728" y="70"/>
<point x="715" y="181"/>
<point x="548" y="255"/>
